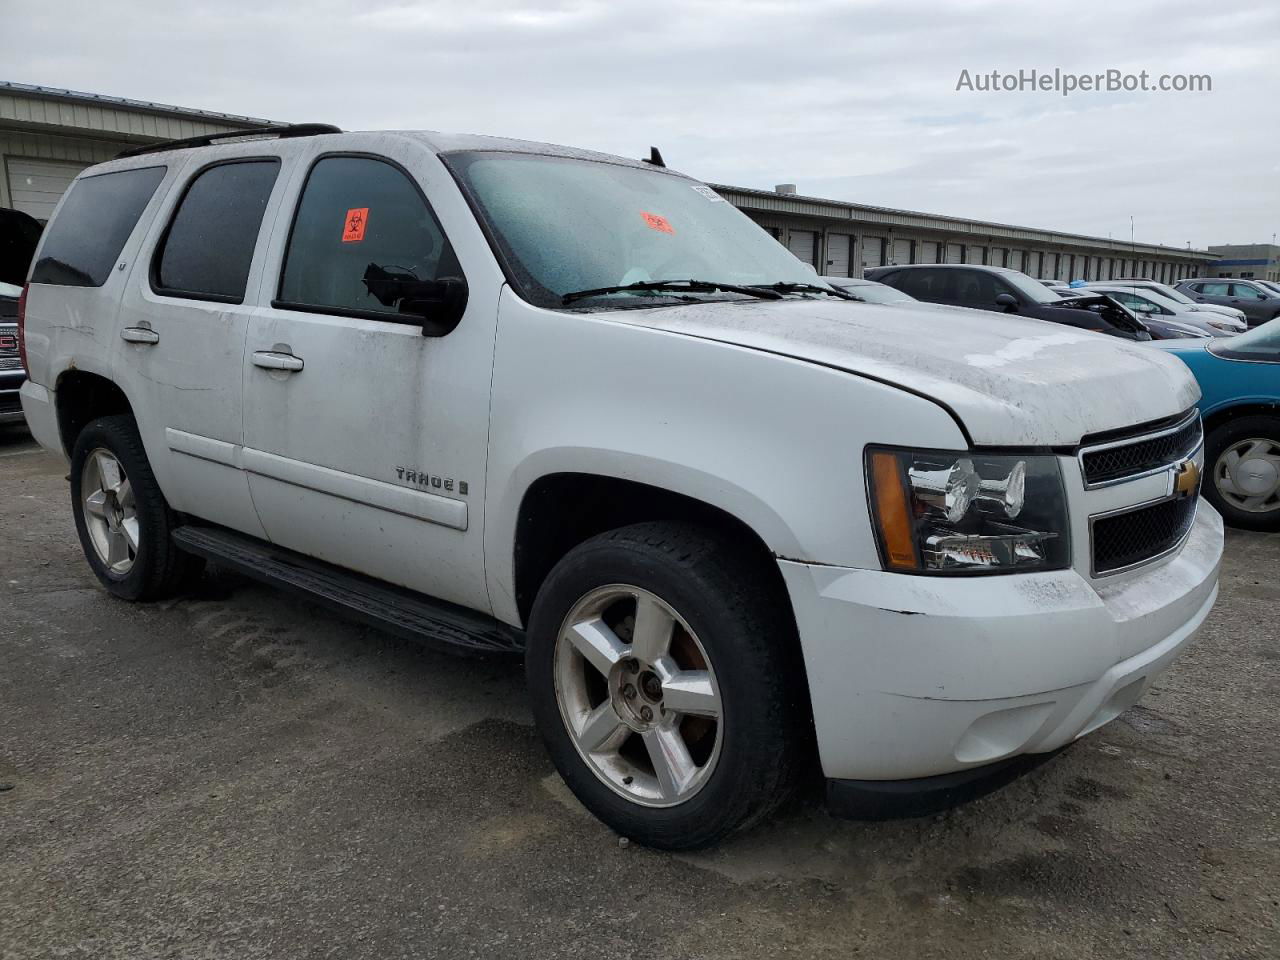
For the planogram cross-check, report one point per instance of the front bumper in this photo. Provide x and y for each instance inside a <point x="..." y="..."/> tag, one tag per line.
<point x="915" y="677"/>
<point x="10" y="404"/>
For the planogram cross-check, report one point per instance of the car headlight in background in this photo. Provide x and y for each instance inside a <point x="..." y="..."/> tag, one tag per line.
<point x="952" y="512"/>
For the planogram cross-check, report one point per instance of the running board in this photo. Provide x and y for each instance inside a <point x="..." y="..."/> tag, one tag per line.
<point x="361" y="598"/>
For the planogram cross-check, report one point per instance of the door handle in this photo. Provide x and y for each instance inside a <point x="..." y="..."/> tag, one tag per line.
<point x="139" y="335"/>
<point x="271" y="360"/>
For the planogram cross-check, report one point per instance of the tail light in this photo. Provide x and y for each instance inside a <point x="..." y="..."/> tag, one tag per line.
<point x="22" y="326"/>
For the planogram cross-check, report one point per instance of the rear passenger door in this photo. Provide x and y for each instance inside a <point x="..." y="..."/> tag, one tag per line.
<point x="184" y="317"/>
<point x="365" y="439"/>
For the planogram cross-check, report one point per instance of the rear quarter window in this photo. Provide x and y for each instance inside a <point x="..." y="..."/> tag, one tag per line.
<point x="89" y="231"/>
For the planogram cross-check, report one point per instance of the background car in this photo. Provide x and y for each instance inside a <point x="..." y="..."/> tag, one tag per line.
<point x="868" y="291"/>
<point x="19" y="234"/>
<point x="1258" y="302"/>
<point x="1239" y="382"/>
<point x="1240" y="324"/>
<point x="1008" y="291"/>
<point x="1151" y="306"/>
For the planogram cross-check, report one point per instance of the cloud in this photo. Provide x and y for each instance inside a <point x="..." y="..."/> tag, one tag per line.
<point x="849" y="100"/>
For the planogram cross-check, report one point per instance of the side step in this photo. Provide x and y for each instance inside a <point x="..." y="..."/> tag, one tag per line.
<point x="362" y="598"/>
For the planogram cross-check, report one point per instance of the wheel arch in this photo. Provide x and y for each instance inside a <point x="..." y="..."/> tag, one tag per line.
<point x="82" y="396"/>
<point x="1253" y="407"/>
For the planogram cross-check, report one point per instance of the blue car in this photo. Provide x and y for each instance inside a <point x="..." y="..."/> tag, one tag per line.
<point x="1240" y="380"/>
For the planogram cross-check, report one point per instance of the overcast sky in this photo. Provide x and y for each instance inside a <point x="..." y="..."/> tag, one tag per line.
<point x="853" y="100"/>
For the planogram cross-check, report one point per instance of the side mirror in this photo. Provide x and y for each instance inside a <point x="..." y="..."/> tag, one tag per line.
<point x="1007" y="300"/>
<point x="440" y="303"/>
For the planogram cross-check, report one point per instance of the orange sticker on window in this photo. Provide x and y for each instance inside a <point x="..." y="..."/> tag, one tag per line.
<point x="353" y="226"/>
<point x="656" y="222"/>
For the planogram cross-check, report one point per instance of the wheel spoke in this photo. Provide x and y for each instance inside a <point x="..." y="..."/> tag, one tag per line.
<point x="109" y="471"/>
<point x="129" y="527"/>
<point x="117" y="548"/>
<point x="672" y="764"/>
<point x="96" y="504"/>
<point x="651" y="636"/>
<point x="124" y="496"/>
<point x="602" y="731"/>
<point x="690" y="691"/>
<point x="598" y="644"/>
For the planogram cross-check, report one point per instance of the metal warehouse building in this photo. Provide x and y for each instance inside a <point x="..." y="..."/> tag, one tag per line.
<point x="48" y="135"/>
<point x="842" y="239"/>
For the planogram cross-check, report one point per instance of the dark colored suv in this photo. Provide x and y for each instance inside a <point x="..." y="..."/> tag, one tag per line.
<point x="1258" y="301"/>
<point x="1008" y="291"/>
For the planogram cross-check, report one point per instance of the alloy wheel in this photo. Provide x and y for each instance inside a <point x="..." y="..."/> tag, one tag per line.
<point x="638" y="695"/>
<point x="110" y="511"/>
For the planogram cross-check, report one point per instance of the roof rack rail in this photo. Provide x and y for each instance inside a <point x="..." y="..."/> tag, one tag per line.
<point x="283" y="132"/>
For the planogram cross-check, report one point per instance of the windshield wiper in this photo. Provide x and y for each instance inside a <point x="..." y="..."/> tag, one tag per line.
<point x="783" y="288"/>
<point x="693" y="286"/>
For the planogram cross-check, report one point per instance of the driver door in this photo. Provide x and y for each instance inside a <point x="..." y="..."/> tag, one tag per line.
<point x="365" y="440"/>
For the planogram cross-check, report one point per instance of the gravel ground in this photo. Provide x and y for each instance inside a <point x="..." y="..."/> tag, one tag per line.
<point x="239" y="774"/>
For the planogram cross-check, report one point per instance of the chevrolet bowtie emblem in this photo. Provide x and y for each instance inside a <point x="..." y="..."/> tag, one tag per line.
<point x="1186" y="478"/>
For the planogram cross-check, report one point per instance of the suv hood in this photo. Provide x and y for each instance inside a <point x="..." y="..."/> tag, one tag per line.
<point x="1011" y="381"/>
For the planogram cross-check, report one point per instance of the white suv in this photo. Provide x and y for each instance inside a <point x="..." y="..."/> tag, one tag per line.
<point x="519" y="397"/>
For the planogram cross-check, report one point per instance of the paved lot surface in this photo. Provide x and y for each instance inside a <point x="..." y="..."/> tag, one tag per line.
<point x="237" y="774"/>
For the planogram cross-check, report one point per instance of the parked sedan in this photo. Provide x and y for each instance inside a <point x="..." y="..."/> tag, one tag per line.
<point x="1009" y="291"/>
<point x="1239" y="382"/>
<point x="1259" y="303"/>
<point x="1139" y="285"/>
<point x="1151" y="306"/>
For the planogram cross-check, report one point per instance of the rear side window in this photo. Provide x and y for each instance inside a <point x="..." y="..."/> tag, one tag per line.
<point x="360" y="220"/>
<point x="207" y="250"/>
<point x="85" y="238"/>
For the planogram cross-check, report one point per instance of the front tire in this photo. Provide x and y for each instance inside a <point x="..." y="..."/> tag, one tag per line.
<point x="123" y="519"/>
<point x="665" y="679"/>
<point x="1242" y="458"/>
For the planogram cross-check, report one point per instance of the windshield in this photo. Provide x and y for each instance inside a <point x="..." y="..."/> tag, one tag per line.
<point x="874" y="292"/>
<point x="1032" y="289"/>
<point x="564" y="225"/>
<point x="1260" y="343"/>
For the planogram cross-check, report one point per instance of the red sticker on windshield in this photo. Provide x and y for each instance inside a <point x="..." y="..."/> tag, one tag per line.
<point x="353" y="226"/>
<point x="656" y="222"/>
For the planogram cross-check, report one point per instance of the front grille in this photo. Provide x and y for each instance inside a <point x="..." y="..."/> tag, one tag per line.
<point x="10" y="363"/>
<point x="1121" y="460"/>
<point x="1144" y="533"/>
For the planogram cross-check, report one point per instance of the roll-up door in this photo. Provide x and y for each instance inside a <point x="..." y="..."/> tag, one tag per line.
<point x="927" y="252"/>
<point x="838" y="255"/>
<point x="974" y="254"/>
<point x="872" y="252"/>
<point x="804" y="244"/>
<point x="901" y="251"/>
<point x="36" y="186"/>
<point x="955" y="253"/>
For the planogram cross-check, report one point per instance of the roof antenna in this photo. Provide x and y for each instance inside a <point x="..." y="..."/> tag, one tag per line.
<point x="654" y="157"/>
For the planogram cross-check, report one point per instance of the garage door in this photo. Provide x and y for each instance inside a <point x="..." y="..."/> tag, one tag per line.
<point x="838" y="247"/>
<point x="36" y="186"/>
<point x="873" y="252"/>
<point x="902" y="251"/>
<point x="803" y="244"/>
<point x="955" y="253"/>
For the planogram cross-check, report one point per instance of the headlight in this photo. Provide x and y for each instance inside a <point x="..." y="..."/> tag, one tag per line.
<point x="947" y="512"/>
<point x="1223" y="325"/>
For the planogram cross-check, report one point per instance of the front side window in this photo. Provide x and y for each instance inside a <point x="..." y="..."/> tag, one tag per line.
<point x="1246" y="292"/>
<point x="563" y="225"/>
<point x="208" y="248"/>
<point x="90" y="229"/>
<point x="361" y="228"/>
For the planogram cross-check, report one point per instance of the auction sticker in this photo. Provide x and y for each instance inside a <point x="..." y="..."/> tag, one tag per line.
<point x="708" y="193"/>
<point x="657" y="222"/>
<point x="353" y="226"/>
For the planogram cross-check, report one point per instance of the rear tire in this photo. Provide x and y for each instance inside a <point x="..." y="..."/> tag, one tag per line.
<point x="686" y="718"/>
<point x="123" y="519"/>
<point x="1242" y="462"/>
